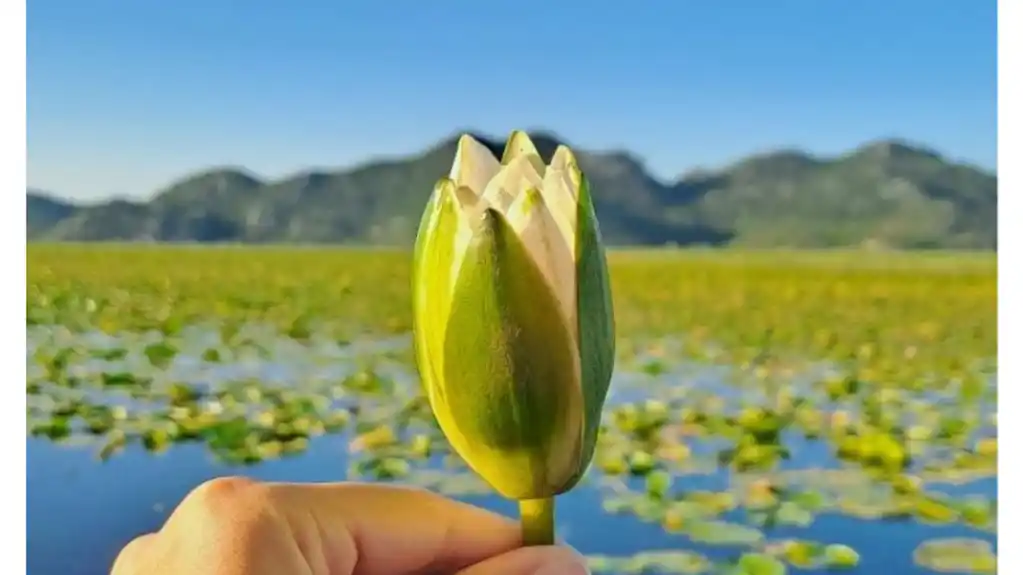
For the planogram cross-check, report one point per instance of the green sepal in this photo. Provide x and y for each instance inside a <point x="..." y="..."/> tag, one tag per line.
<point x="509" y="369"/>
<point x="596" y="315"/>
<point x="431" y="282"/>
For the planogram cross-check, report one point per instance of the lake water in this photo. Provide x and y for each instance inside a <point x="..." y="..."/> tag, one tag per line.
<point x="82" y="511"/>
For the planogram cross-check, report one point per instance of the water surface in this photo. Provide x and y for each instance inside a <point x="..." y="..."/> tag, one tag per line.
<point x="82" y="511"/>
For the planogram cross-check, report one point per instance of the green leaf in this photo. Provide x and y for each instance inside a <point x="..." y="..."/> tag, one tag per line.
<point x="161" y="353"/>
<point x="723" y="533"/>
<point x="801" y="553"/>
<point x="837" y="556"/>
<point x="759" y="564"/>
<point x="957" y="555"/>
<point x="790" y="513"/>
<point x="665" y="561"/>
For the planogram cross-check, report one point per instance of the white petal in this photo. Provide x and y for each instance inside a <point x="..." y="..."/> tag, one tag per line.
<point x="470" y="210"/>
<point x="511" y="181"/>
<point x="562" y="204"/>
<point x="532" y="220"/>
<point x="564" y="161"/>
<point x="499" y="197"/>
<point x="474" y="165"/>
<point x="470" y="205"/>
<point x="519" y="144"/>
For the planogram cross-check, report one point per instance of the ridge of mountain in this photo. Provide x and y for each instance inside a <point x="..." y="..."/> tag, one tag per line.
<point x="886" y="193"/>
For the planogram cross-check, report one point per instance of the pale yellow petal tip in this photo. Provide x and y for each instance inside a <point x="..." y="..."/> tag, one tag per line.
<point x="466" y="141"/>
<point x="474" y="163"/>
<point x="472" y="149"/>
<point x="523" y="162"/>
<point x="518" y="144"/>
<point x="563" y="158"/>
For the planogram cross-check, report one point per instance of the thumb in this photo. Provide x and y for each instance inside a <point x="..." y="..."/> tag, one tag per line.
<point x="532" y="561"/>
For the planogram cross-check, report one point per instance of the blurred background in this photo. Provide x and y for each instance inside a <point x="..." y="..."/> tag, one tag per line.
<point x="799" y="199"/>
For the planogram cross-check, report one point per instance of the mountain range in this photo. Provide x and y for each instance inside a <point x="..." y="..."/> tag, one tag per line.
<point x="884" y="194"/>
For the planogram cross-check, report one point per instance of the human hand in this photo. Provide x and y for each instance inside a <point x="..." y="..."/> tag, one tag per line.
<point x="237" y="526"/>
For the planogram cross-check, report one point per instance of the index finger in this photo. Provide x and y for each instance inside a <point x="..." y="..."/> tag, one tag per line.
<point x="369" y="529"/>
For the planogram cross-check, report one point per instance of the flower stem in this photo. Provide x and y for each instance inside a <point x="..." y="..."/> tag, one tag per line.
<point x="537" y="521"/>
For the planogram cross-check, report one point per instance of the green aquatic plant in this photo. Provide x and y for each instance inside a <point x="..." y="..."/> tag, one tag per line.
<point x="675" y="562"/>
<point x="956" y="555"/>
<point x="728" y="363"/>
<point x="758" y="564"/>
<point x="804" y="554"/>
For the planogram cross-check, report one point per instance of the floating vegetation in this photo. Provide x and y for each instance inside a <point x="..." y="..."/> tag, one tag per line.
<point x="757" y="564"/>
<point x="812" y="555"/>
<point x="756" y="394"/>
<point x="957" y="556"/>
<point x="680" y="562"/>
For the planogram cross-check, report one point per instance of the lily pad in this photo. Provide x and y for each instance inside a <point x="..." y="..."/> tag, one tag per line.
<point x="664" y="562"/>
<point x="957" y="555"/>
<point x="723" y="533"/>
<point x="790" y="513"/>
<point x="758" y="564"/>
<point x="837" y="556"/>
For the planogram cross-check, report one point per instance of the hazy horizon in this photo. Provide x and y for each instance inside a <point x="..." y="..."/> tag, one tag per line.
<point x="381" y="157"/>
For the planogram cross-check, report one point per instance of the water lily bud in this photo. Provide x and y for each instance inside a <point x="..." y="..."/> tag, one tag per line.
<point x="514" y="327"/>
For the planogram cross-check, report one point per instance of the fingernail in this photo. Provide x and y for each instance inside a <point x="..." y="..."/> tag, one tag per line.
<point x="564" y="566"/>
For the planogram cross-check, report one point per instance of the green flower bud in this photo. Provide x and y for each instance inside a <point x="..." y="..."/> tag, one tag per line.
<point x="514" y="327"/>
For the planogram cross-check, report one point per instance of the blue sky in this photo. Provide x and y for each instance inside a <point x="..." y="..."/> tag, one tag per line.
<point x="125" y="96"/>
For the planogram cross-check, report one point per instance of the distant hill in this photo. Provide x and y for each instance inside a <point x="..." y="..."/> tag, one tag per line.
<point x="44" y="211"/>
<point x="887" y="193"/>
